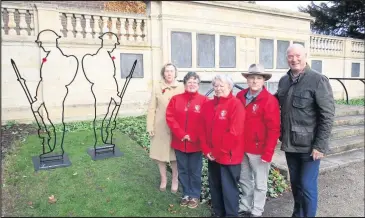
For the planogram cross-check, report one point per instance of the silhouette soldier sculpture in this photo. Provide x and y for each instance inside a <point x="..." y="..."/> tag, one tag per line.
<point x="99" y="70"/>
<point x="57" y="72"/>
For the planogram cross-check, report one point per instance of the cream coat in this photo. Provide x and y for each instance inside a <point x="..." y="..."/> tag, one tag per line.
<point x="160" y="146"/>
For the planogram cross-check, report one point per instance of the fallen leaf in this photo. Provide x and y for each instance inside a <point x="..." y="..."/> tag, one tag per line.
<point x="108" y="200"/>
<point x="75" y="174"/>
<point x="30" y="203"/>
<point x="52" y="199"/>
<point x="171" y="205"/>
<point x="111" y="211"/>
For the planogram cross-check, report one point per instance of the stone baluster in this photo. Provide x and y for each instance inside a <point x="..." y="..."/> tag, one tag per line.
<point x="113" y="25"/>
<point x="31" y="24"/>
<point x="123" y="28"/>
<point x="139" y="30"/>
<point x="317" y="44"/>
<point x="101" y="25"/>
<point x="70" y="27"/>
<point x="88" y="28"/>
<point x="2" y="22"/>
<point x="11" y="24"/>
<point x="144" y="30"/>
<point x="130" y="28"/>
<point x="22" y="23"/>
<point x="78" y="26"/>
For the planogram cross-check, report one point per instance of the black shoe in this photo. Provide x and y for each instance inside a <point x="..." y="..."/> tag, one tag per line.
<point x="244" y="214"/>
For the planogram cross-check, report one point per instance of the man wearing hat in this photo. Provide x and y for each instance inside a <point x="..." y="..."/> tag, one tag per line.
<point x="261" y="133"/>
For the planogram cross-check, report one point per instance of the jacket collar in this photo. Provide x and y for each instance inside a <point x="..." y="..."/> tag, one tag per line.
<point x="261" y="95"/>
<point x="190" y="94"/>
<point x="164" y="85"/>
<point x="301" y="75"/>
<point x="218" y="100"/>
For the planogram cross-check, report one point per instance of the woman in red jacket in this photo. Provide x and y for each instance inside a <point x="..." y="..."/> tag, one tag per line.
<point x="182" y="116"/>
<point x="221" y="133"/>
<point x="262" y="130"/>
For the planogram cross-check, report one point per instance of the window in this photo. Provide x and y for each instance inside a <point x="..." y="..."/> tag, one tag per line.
<point x="205" y="48"/>
<point x="126" y="64"/>
<point x="317" y="65"/>
<point x="281" y="61"/>
<point x="267" y="53"/>
<point x="355" y="70"/>
<point x="181" y="49"/>
<point x="227" y="51"/>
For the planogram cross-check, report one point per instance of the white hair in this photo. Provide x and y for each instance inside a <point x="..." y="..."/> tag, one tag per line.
<point x="224" y="78"/>
<point x="296" y="46"/>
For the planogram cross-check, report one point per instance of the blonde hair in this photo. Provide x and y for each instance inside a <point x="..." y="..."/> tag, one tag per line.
<point x="164" y="68"/>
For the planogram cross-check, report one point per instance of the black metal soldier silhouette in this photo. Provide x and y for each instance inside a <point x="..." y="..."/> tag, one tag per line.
<point x="99" y="70"/>
<point x="57" y="72"/>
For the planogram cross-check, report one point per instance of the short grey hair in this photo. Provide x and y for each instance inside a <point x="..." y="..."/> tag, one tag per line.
<point x="224" y="78"/>
<point x="297" y="46"/>
<point x="191" y="75"/>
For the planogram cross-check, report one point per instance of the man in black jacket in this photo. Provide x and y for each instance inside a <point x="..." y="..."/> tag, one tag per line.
<point x="307" y="114"/>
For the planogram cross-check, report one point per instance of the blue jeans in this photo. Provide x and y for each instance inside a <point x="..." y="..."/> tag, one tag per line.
<point x="303" y="171"/>
<point x="223" y="184"/>
<point x="189" y="166"/>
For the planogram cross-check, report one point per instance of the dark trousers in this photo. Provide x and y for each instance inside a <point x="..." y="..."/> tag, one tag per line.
<point x="190" y="166"/>
<point x="303" y="171"/>
<point x="223" y="184"/>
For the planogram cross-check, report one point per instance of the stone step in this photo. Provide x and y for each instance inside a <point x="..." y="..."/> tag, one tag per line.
<point x="349" y="120"/>
<point x="346" y="144"/>
<point x="348" y="130"/>
<point x="328" y="163"/>
<point x="346" y="110"/>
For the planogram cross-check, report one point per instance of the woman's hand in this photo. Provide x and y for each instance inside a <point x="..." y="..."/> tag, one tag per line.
<point x="210" y="157"/>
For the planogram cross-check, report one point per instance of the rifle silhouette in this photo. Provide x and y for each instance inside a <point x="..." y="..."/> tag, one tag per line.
<point x="37" y="116"/>
<point x="114" y="115"/>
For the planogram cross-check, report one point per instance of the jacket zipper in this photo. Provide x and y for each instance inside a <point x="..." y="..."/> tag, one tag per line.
<point x="186" y="119"/>
<point x="211" y="129"/>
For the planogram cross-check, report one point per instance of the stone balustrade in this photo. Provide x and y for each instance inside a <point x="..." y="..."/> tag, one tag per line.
<point x="358" y="49"/>
<point x="20" y="20"/>
<point x="91" y="25"/>
<point x="325" y="45"/>
<point x="17" y="20"/>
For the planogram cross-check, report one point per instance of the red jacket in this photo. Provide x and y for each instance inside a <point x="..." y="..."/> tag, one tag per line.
<point x="222" y="129"/>
<point x="262" y="124"/>
<point x="182" y="116"/>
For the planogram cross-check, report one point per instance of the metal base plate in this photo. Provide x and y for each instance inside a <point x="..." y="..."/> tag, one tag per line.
<point x="104" y="155"/>
<point x="47" y="165"/>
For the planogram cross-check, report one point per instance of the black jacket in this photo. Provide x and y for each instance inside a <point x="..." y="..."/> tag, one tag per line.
<point x="307" y="112"/>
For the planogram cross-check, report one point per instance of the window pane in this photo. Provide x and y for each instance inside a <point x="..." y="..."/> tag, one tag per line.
<point x="317" y="65"/>
<point x="281" y="61"/>
<point x="181" y="48"/>
<point x="355" y="70"/>
<point x="267" y="53"/>
<point x="205" y="48"/>
<point x="126" y="64"/>
<point x="227" y="51"/>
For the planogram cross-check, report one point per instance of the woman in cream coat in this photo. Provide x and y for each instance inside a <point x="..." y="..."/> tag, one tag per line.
<point x="157" y="128"/>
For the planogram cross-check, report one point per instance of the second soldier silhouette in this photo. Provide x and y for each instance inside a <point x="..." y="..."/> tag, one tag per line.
<point x="99" y="70"/>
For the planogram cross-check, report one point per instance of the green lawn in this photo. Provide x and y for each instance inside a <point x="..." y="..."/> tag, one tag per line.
<point x="122" y="186"/>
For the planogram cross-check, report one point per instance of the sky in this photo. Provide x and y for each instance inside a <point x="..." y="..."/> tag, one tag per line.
<point x="287" y="5"/>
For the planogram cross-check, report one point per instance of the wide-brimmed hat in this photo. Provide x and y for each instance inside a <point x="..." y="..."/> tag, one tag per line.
<point x="257" y="69"/>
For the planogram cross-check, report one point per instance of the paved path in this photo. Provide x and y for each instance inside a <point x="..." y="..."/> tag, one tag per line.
<point x="341" y="194"/>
